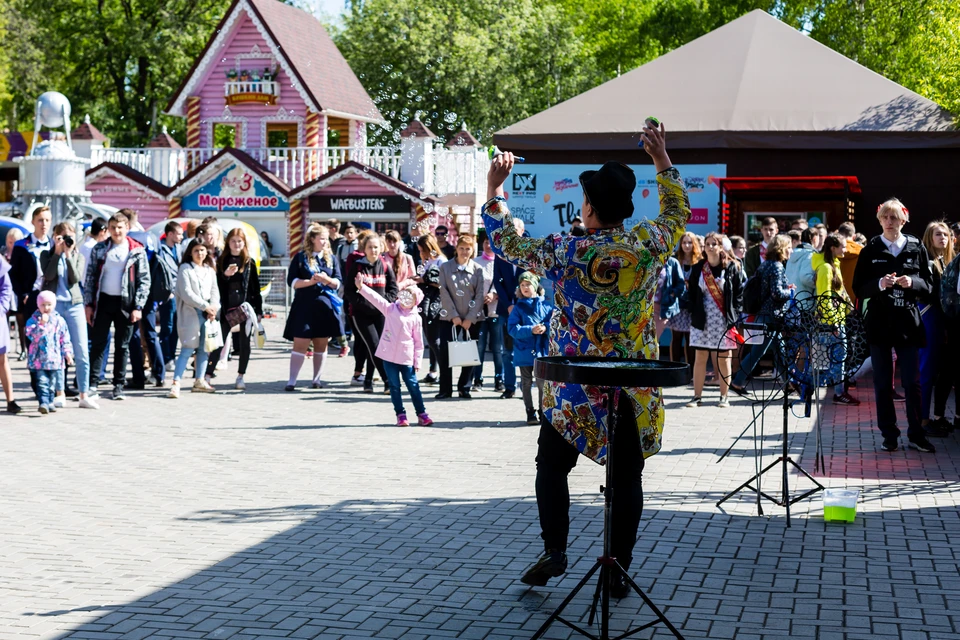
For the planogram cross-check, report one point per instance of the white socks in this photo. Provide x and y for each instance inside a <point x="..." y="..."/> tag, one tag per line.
<point x="318" y="360"/>
<point x="296" y="361"/>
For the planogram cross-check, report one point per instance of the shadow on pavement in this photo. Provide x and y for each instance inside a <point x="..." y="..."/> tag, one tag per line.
<point x="449" y="568"/>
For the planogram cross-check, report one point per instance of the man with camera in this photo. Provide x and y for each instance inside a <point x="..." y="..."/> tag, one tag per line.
<point x="605" y="283"/>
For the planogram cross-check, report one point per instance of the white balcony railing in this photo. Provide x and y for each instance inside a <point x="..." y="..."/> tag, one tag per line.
<point x="295" y="166"/>
<point x="251" y="91"/>
<point x="459" y="170"/>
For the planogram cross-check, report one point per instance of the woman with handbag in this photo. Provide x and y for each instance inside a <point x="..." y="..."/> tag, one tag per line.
<point x="316" y="313"/>
<point x="461" y="311"/>
<point x="198" y="301"/>
<point x="239" y="283"/>
<point x="366" y="318"/>
<point x="715" y="295"/>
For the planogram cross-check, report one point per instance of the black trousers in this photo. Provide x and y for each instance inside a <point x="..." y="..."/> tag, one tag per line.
<point x="241" y="347"/>
<point x="431" y="330"/>
<point x="446" y="371"/>
<point x="367" y="329"/>
<point x="948" y="375"/>
<point x="556" y="457"/>
<point x="908" y="363"/>
<point x="109" y="313"/>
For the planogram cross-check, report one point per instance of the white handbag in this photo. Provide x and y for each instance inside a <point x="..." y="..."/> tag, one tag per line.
<point x="213" y="336"/>
<point x="462" y="351"/>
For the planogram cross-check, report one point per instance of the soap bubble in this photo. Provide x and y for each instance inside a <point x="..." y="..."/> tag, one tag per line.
<point x="460" y="293"/>
<point x="472" y="304"/>
<point x="443" y="313"/>
<point x="421" y="270"/>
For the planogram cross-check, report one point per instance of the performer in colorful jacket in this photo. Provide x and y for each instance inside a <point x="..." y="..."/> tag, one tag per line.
<point x="605" y="284"/>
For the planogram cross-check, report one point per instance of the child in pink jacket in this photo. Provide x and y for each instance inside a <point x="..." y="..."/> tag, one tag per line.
<point x="401" y="347"/>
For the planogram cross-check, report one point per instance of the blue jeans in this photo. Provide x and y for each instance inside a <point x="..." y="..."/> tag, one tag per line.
<point x="491" y="333"/>
<point x="46" y="381"/>
<point x="394" y="373"/>
<point x="167" y="319"/>
<point x="147" y="327"/>
<point x="76" y="319"/>
<point x="200" y="366"/>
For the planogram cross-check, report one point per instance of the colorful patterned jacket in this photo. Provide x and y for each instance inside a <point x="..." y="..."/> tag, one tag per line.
<point x="605" y="285"/>
<point x="49" y="342"/>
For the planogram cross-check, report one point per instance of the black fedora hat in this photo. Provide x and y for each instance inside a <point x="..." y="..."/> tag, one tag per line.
<point x="610" y="190"/>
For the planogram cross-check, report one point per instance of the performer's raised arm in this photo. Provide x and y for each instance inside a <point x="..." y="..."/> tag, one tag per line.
<point x="664" y="231"/>
<point x="534" y="254"/>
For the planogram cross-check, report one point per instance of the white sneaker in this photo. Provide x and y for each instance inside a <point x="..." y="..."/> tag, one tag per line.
<point x="174" y="390"/>
<point x="724" y="403"/>
<point x="202" y="386"/>
<point x="89" y="403"/>
<point x="221" y="365"/>
<point x="240" y="385"/>
<point x="59" y="401"/>
<point x="170" y="366"/>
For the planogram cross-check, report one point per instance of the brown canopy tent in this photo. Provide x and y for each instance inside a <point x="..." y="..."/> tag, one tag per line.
<point x="766" y="100"/>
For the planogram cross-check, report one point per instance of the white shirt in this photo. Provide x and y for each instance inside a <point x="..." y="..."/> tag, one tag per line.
<point x="85" y="250"/>
<point x="896" y="246"/>
<point x="111" y="278"/>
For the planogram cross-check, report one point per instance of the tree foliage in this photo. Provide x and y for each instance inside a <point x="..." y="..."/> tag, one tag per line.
<point x="486" y="63"/>
<point x="119" y="60"/>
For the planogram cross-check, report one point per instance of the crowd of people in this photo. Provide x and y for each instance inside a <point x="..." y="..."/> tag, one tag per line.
<point x="406" y="300"/>
<point x="192" y="297"/>
<point x="893" y="281"/>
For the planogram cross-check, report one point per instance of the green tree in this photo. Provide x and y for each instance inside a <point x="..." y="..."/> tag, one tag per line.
<point x="119" y="60"/>
<point x="915" y="43"/>
<point x="489" y="64"/>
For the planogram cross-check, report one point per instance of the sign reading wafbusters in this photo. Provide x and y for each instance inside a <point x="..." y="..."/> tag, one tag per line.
<point x="359" y="204"/>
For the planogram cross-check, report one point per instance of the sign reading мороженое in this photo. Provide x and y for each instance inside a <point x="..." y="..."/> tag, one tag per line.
<point x="358" y="204"/>
<point x="234" y="189"/>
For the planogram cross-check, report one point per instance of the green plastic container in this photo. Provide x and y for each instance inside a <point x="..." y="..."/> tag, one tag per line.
<point x="840" y="505"/>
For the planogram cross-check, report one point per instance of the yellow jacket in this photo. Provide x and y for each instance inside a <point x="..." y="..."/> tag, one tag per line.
<point x="831" y="313"/>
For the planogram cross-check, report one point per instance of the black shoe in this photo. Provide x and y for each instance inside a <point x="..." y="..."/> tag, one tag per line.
<point x="922" y="445"/>
<point x="477" y="386"/>
<point x="898" y="397"/>
<point x="465" y="395"/>
<point x="551" y="564"/>
<point x="13" y="407"/>
<point x="70" y="392"/>
<point x="939" y="428"/>
<point x="429" y="379"/>
<point x="506" y="395"/>
<point x="135" y="386"/>
<point x="740" y="391"/>
<point x="619" y="587"/>
<point x="846" y="398"/>
<point x="118" y="392"/>
<point x="368" y="389"/>
<point x="443" y="396"/>
<point x="532" y="417"/>
<point x="498" y="386"/>
<point x="22" y="356"/>
<point x="890" y="444"/>
<point x="290" y="387"/>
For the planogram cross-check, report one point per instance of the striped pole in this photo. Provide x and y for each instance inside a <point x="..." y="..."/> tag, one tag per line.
<point x="295" y="219"/>
<point x="313" y="141"/>
<point x="193" y="129"/>
<point x="173" y="208"/>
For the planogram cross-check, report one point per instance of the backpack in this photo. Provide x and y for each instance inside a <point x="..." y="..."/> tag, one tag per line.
<point x="753" y="295"/>
<point x="949" y="299"/>
<point x="161" y="280"/>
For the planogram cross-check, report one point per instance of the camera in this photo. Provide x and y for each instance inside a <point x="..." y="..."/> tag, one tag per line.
<point x="68" y="240"/>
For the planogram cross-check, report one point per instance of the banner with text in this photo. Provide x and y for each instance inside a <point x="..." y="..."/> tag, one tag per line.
<point x="547" y="197"/>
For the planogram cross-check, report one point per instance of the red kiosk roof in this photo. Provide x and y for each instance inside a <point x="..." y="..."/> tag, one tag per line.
<point x="844" y="184"/>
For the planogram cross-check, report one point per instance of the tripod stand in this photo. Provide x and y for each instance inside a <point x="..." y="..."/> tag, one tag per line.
<point x="606" y="564"/>
<point x="785" y="500"/>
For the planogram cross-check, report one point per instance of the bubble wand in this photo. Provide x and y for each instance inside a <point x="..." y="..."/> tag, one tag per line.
<point x="495" y="151"/>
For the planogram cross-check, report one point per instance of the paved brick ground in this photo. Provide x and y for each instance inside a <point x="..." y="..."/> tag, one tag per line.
<point x="308" y="515"/>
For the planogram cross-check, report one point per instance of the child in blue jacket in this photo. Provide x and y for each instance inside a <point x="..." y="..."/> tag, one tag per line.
<point x="528" y="326"/>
